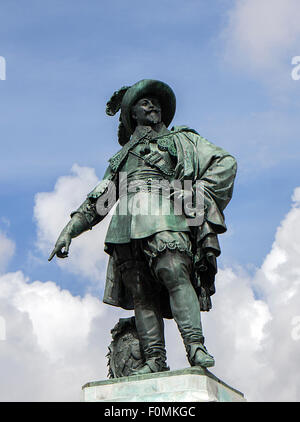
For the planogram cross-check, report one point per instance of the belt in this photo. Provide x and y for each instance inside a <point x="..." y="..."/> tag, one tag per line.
<point x="152" y="185"/>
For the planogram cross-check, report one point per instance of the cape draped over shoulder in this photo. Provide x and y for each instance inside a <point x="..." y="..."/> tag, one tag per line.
<point x="198" y="160"/>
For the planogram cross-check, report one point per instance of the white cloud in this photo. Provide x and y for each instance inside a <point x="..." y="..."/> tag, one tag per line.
<point x="56" y="342"/>
<point x="253" y="327"/>
<point x="247" y="328"/>
<point x="46" y="304"/>
<point x="263" y="35"/>
<point x="279" y="277"/>
<point x="254" y="346"/>
<point x="52" y="212"/>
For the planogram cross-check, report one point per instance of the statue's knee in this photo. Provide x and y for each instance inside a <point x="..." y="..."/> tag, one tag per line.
<point x="171" y="270"/>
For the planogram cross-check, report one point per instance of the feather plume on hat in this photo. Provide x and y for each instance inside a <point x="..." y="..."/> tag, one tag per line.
<point x="114" y="104"/>
<point x="112" y="107"/>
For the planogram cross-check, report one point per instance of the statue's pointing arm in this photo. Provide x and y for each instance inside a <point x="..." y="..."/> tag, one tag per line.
<point x="97" y="205"/>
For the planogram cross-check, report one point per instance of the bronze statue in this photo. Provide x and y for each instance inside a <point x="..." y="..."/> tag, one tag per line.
<point x="162" y="264"/>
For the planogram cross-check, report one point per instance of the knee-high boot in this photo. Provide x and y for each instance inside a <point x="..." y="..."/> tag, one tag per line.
<point x="149" y="322"/>
<point x="173" y="270"/>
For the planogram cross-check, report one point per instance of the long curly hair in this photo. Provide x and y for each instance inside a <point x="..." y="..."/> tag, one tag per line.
<point x="112" y="107"/>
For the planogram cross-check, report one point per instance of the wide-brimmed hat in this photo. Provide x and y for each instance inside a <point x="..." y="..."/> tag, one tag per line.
<point x="127" y="96"/>
<point x="143" y="88"/>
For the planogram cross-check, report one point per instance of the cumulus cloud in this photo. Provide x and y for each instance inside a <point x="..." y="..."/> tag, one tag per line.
<point x="263" y="35"/>
<point x="279" y="282"/>
<point x="253" y="329"/>
<point x="54" y="342"/>
<point x="254" y="336"/>
<point x="52" y="212"/>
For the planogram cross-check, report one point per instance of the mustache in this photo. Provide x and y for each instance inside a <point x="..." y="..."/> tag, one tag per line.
<point x="155" y="109"/>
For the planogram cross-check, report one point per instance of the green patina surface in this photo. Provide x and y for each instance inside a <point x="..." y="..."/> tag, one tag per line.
<point x="175" y="285"/>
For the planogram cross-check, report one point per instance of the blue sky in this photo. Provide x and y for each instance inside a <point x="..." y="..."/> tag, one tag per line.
<point x="64" y="60"/>
<point x="229" y="63"/>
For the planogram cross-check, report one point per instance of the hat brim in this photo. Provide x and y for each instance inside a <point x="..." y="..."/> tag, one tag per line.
<point x="159" y="90"/>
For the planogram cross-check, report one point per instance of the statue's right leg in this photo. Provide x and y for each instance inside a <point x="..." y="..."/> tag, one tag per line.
<point x="149" y="322"/>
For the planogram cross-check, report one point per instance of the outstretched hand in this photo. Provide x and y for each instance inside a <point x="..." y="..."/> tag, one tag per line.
<point x="62" y="242"/>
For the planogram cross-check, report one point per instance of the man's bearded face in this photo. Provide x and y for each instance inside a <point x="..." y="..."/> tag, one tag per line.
<point x="147" y="111"/>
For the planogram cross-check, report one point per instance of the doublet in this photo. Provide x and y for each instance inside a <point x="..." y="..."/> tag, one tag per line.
<point x="145" y="171"/>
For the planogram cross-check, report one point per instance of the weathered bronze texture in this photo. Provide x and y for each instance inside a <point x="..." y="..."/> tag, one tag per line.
<point x="162" y="264"/>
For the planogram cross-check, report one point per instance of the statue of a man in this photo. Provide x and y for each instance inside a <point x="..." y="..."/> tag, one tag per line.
<point x="162" y="264"/>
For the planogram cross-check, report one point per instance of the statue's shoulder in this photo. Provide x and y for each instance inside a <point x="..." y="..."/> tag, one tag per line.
<point x="189" y="133"/>
<point x="116" y="159"/>
<point x="183" y="129"/>
<point x="206" y="147"/>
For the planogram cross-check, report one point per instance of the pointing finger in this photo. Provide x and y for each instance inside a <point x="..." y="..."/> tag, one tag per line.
<point x="52" y="254"/>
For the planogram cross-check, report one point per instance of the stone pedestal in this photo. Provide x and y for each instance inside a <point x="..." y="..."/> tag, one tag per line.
<point x="185" y="385"/>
